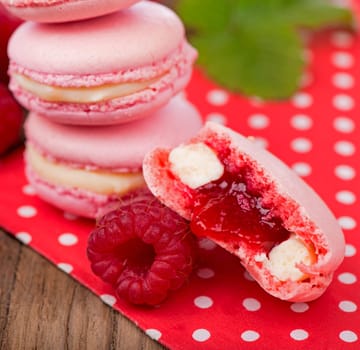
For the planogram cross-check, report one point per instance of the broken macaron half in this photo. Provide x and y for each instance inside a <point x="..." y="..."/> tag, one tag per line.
<point x="250" y="203"/>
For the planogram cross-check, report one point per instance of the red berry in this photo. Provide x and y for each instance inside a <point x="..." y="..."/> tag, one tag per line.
<point x="144" y="249"/>
<point x="8" y="24"/>
<point x="11" y="118"/>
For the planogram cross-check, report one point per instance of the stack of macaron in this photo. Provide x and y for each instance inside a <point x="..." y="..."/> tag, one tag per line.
<point x="102" y="81"/>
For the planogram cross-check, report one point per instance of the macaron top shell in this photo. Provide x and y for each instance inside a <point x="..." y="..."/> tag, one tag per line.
<point x="117" y="148"/>
<point x="140" y="36"/>
<point x="55" y="11"/>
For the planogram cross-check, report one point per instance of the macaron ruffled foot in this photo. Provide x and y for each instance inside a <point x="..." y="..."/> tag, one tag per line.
<point x="250" y="203"/>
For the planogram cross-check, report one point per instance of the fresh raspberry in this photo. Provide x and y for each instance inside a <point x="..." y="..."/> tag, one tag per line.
<point x="11" y="118"/>
<point x="144" y="249"/>
<point x="8" y="24"/>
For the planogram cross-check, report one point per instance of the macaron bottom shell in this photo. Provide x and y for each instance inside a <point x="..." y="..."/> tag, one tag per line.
<point x="64" y="10"/>
<point x="75" y="201"/>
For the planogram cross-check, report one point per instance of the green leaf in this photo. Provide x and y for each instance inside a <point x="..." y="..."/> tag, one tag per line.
<point x="254" y="46"/>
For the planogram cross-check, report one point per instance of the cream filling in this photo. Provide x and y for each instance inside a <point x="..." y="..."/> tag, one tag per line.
<point x="284" y="258"/>
<point x="195" y="164"/>
<point x="100" y="181"/>
<point x="92" y="94"/>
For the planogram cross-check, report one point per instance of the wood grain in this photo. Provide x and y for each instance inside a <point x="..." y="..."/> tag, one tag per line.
<point x="43" y="308"/>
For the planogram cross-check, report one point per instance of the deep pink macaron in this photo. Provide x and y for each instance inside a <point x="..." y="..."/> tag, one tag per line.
<point x="56" y="11"/>
<point x="106" y="70"/>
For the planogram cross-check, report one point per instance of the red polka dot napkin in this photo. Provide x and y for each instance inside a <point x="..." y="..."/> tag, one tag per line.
<point x="317" y="133"/>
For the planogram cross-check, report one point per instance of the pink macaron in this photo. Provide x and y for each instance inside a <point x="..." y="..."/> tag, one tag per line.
<point x="253" y="205"/>
<point x="56" y="11"/>
<point x="106" y="70"/>
<point x="85" y="169"/>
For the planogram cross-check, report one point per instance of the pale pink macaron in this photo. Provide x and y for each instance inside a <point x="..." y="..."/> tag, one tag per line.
<point x="56" y="11"/>
<point x="250" y="203"/>
<point x="85" y="169"/>
<point x="106" y="70"/>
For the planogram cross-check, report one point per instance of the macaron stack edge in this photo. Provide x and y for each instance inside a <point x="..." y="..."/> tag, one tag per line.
<point x="103" y="82"/>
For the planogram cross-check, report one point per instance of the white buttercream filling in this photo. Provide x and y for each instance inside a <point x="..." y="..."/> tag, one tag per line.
<point x="92" y="94"/>
<point x="195" y="164"/>
<point x="283" y="259"/>
<point x="99" y="181"/>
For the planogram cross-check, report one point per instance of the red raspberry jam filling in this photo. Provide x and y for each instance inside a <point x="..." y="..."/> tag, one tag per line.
<point x="230" y="210"/>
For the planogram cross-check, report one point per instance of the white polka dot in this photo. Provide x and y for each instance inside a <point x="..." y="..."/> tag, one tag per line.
<point x="248" y="277"/>
<point x="302" y="169"/>
<point x="216" y="118"/>
<point x="206" y="244"/>
<point x="65" y="267"/>
<point x="342" y="60"/>
<point x="24" y="237"/>
<point x="341" y="3"/>
<point x="153" y="333"/>
<point x="203" y="302"/>
<point x="29" y="190"/>
<point x="342" y="39"/>
<point x="299" y="307"/>
<point x="70" y="216"/>
<point x="258" y="121"/>
<point x="302" y="100"/>
<point x="348" y="336"/>
<point x="306" y="79"/>
<point x="251" y="304"/>
<point x="217" y="97"/>
<point x="301" y="145"/>
<point x="344" y="148"/>
<point x="299" y="334"/>
<point x="256" y="101"/>
<point x="347" y="306"/>
<point x="250" y="336"/>
<point x="347" y="222"/>
<point x="108" y="299"/>
<point x="307" y="55"/>
<point x="68" y="239"/>
<point x="345" y="197"/>
<point x="343" y="80"/>
<point x="343" y="102"/>
<point x="259" y="141"/>
<point x="345" y="172"/>
<point x="301" y="122"/>
<point x="201" y="335"/>
<point x="26" y="211"/>
<point x="205" y="273"/>
<point x="350" y="250"/>
<point x="344" y="125"/>
<point x="347" y="278"/>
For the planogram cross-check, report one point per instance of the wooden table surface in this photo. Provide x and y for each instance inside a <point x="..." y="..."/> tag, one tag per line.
<point x="43" y="308"/>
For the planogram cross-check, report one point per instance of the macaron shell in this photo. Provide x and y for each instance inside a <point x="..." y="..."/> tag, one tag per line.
<point x="117" y="147"/>
<point x="300" y="208"/>
<point x="64" y="10"/>
<point x="74" y="201"/>
<point x="136" y="37"/>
